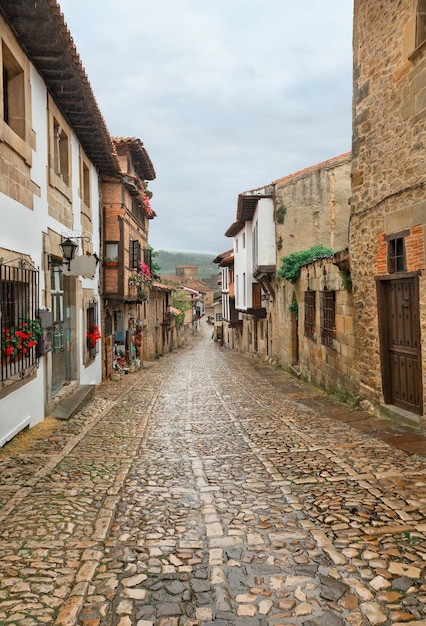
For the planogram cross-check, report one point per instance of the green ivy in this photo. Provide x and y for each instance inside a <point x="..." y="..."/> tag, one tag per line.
<point x="346" y="280"/>
<point x="294" y="307"/>
<point x="291" y="265"/>
<point x="281" y="212"/>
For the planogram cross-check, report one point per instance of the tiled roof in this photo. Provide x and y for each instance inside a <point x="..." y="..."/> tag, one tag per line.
<point x="162" y="287"/>
<point x="224" y="258"/>
<point x="342" y="157"/>
<point x="144" y="167"/>
<point x="43" y="35"/>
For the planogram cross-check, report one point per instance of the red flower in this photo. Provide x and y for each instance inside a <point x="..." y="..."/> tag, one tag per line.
<point x="93" y="335"/>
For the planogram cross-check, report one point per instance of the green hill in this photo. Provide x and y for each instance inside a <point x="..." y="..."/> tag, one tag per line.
<point x="168" y="261"/>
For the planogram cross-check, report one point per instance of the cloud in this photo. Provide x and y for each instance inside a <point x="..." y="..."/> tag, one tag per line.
<point x="227" y="95"/>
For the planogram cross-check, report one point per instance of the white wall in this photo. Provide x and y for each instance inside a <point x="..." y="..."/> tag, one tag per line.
<point x="243" y="268"/>
<point x="22" y="231"/>
<point x="264" y="216"/>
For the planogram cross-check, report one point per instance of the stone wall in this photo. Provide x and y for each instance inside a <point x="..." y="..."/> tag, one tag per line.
<point x="311" y="208"/>
<point x="388" y="183"/>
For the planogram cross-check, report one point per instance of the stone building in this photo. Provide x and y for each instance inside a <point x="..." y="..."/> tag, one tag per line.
<point x="311" y="209"/>
<point x="388" y="203"/>
<point x="136" y="323"/>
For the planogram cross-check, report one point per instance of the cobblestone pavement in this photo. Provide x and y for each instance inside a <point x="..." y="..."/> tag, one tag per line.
<point x="195" y="493"/>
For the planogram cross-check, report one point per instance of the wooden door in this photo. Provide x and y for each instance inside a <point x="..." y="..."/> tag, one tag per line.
<point x="402" y="369"/>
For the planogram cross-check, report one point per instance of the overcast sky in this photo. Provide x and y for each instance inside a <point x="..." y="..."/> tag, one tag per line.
<point x="226" y="95"/>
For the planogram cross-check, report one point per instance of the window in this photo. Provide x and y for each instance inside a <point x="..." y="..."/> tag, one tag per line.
<point x="92" y="332"/>
<point x="309" y="325"/>
<point x="135" y="254"/>
<point x="13" y="93"/>
<point x="244" y="241"/>
<point x="137" y="210"/>
<point x="111" y="251"/>
<point x="85" y="184"/>
<point x="328" y="317"/>
<point x="20" y="328"/>
<point x="421" y="23"/>
<point x="147" y="258"/>
<point x="60" y="152"/>
<point x="396" y="255"/>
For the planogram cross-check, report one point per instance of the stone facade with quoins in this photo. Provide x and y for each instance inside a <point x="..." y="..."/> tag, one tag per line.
<point x="388" y="203"/>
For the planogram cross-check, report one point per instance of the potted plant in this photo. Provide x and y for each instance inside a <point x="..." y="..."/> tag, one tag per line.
<point x="9" y="343"/>
<point x="110" y="262"/>
<point x="142" y="280"/>
<point x="93" y="335"/>
<point x="20" y="339"/>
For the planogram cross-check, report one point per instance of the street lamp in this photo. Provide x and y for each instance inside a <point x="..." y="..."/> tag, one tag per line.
<point x="69" y="248"/>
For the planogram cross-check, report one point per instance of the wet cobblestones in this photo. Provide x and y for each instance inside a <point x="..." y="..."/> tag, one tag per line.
<point x="195" y="493"/>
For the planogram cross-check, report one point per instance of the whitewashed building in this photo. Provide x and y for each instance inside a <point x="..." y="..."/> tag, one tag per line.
<point x="53" y="146"/>
<point x="253" y="234"/>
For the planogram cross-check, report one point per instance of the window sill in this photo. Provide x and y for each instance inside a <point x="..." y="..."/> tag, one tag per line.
<point x="58" y="183"/>
<point x="14" y="141"/>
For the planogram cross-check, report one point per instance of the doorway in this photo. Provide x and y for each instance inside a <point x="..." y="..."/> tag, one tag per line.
<point x="61" y="355"/>
<point x="399" y="318"/>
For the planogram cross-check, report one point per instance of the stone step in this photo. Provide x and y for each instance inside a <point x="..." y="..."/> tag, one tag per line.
<point x="73" y="403"/>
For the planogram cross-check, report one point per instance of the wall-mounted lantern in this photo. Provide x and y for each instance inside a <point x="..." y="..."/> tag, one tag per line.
<point x="69" y="249"/>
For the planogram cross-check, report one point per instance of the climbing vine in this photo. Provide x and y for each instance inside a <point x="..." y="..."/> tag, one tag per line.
<point x="291" y="264"/>
<point x="346" y="280"/>
<point x="281" y="212"/>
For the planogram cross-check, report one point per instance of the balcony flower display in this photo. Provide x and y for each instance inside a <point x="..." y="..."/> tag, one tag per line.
<point x="20" y="339"/>
<point x="146" y="203"/>
<point x="141" y="279"/>
<point x="93" y="335"/>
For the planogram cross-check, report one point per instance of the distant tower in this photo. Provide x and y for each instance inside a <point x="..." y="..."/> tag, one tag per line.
<point x="188" y="272"/>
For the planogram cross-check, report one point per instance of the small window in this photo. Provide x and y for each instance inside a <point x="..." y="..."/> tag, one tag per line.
<point x="421" y="23"/>
<point x="13" y="93"/>
<point x="396" y="255"/>
<point x="111" y="252"/>
<point x="135" y="254"/>
<point x="147" y="258"/>
<point x="20" y="327"/>
<point x="328" y="317"/>
<point x="244" y="241"/>
<point x="93" y="334"/>
<point x="85" y="184"/>
<point x="60" y="152"/>
<point x="309" y="325"/>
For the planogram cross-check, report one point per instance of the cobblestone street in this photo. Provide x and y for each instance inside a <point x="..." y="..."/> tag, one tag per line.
<point x="196" y="492"/>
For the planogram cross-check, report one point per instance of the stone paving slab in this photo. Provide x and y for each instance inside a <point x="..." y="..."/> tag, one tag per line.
<point x="197" y="492"/>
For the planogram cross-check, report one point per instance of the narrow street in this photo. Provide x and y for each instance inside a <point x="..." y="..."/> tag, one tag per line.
<point x="196" y="492"/>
